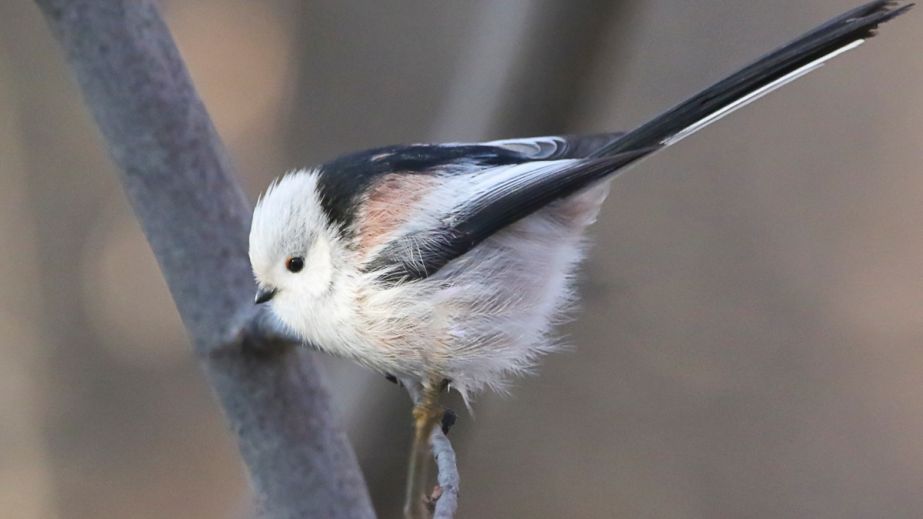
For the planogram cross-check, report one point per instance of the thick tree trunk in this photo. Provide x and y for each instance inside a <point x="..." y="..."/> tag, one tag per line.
<point x="178" y="178"/>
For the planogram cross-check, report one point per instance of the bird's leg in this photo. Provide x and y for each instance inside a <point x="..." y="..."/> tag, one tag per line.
<point x="427" y="413"/>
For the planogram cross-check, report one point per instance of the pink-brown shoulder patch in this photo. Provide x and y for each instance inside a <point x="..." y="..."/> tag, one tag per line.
<point x="387" y="206"/>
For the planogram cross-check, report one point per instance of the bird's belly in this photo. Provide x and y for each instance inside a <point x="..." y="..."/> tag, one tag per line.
<point x="489" y="313"/>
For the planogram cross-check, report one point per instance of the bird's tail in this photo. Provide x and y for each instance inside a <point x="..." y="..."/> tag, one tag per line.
<point x="807" y="53"/>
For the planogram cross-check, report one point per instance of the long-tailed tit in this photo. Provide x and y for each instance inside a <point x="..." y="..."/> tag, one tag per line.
<point x="453" y="262"/>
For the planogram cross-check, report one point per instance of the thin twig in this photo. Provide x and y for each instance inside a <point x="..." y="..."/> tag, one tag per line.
<point x="178" y="178"/>
<point x="447" y="477"/>
<point x="430" y="444"/>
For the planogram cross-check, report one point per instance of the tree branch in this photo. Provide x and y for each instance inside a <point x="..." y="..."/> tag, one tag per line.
<point x="446" y="498"/>
<point x="447" y="476"/>
<point x="178" y="178"/>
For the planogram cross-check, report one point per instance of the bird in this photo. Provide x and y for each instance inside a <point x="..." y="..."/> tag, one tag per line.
<point x="450" y="265"/>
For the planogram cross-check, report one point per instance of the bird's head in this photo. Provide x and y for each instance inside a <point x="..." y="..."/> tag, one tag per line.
<point x="290" y="242"/>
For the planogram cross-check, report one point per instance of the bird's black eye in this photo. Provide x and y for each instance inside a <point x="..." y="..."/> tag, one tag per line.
<point x="294" y="264"/>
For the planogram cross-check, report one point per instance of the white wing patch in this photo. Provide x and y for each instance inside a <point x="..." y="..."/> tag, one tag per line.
<point x="497" y="183"/>
<point x="533" y="147"/>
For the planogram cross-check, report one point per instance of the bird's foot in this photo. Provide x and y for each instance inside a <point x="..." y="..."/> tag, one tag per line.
<point x="448" y="420"/>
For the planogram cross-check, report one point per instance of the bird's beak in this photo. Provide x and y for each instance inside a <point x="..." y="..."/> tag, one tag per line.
<point x="263" y="295"/>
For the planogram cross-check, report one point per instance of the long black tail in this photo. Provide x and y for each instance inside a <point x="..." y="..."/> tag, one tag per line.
<point x="807" y="53"/>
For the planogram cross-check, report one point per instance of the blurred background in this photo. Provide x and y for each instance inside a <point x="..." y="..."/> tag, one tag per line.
<point x="751" y="342"/>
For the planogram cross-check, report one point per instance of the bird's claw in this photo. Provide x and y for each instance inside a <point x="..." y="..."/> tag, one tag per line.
<point x="448" y="420"/>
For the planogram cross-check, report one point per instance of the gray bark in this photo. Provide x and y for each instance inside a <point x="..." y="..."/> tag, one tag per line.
<point x="447" y="476"/>
<point x="178" y="179"/>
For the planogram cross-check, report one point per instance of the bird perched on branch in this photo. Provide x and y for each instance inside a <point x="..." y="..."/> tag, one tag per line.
<point x="453" y="262"/>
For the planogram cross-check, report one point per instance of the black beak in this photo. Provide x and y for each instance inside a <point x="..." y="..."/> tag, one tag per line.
<point x="263" y="295"/>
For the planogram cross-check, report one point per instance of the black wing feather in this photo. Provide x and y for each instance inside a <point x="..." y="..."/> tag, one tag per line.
<point x="344" y="180"/>
<point x="420" y="254"/>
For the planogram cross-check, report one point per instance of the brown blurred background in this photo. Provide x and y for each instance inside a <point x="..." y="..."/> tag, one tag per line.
<point x="751" y="343"/>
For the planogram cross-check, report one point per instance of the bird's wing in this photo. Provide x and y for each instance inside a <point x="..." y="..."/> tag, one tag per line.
<point x="348" y="181"/>
<point x="557" y="146"/>
<point x="466" y="209"/>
